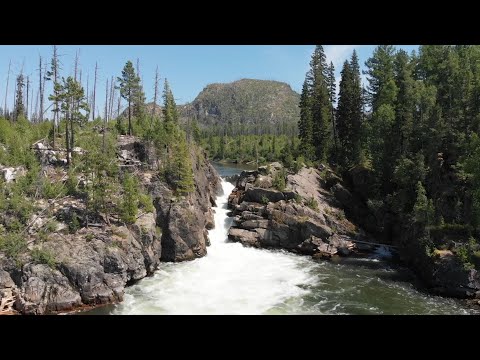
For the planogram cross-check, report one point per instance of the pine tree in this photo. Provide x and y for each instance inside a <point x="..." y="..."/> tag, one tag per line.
<point x="129" y="205"/>
<point x="129" y="89"/>
<point x="305" y="125"/>
<point x="74" y="108"/>
<point x="321" y="105"/>
<point x="382" y="93"/>
<point x="332" y="93"/>
<point x="19" y="107"/>
<point x="55" y="97"/>
<point x="170" y="112"/>
<point x="405" y="103"/>
<point x="344" y="110"/>
<point x="423" y="209"/>
<point x="181" y="166"/>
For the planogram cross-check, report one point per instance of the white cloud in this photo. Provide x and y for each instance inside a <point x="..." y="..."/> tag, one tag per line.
<point x="339" y="53"/>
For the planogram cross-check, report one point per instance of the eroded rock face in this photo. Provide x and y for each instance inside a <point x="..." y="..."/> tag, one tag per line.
<point x="95" y="264"/>
<point x="92" y="266"/>
<point x="185" y="220"/>
<point x="269" y="218"/>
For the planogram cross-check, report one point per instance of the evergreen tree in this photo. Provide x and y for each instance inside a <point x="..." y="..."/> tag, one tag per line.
<point x="19" y="106"/>
<point x="129" y="89"/>
<point x="382" y="92"/>
<point x="129" y="205"/>
<point x="75" y="110"/>
<point x="332" y="93"/>
<point x="349" y="114"/>
<point x="321" y="105"/>
<point x="181" y="166"/>
<point x="305" y="125"/>
<point x="170" y="112"/>
<point x="55" y="97"/>
<point x="423" y="210"/>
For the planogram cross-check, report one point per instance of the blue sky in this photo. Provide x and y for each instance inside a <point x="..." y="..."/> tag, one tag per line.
<point x="189" y="68"/>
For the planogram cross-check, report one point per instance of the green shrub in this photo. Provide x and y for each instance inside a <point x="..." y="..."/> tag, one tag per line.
<point x="89" y="237"/>
<point x="464" y="255"/>
<point x="71" y="184"/>
<point x="145" y="202"/>
<point x="298" y="198"/>
<point x="279" y="180"/>
<point x="312" y="203"/>
<point x="265" y="200"/>
<point x="297" y="165"/>
<point x="13" y="244"/>
<point x="340" y="215"/>
<point x="50" y="226"/>
<point x="52" y="190"/>
<point x="74" y="224"/>
<point x="41" y="256"/>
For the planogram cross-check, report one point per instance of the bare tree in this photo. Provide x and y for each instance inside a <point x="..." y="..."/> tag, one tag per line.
<point x="155" y="95"/>
<point x="110" y="101"/>
<point x="26" y="107"/>
<point x="6" y="89"/>
<point x="119" y="102"/>
<point x="40" y="83"/>
<point x="88" y="94"/>
<point x="94" y="90"/>
<point x="105" y="118"/>
<point x="106" y="101"/>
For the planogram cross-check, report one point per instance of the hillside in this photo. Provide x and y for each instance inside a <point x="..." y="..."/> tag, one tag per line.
<point x="246" y="102"/>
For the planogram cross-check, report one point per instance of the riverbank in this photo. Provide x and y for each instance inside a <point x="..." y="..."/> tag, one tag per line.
<point x="233" y="279"/>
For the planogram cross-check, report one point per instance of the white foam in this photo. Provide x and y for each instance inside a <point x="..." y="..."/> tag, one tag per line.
<point x="231" y="279"/>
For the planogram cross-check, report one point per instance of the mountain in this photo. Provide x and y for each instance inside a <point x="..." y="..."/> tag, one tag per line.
<point x="246" y="102"/>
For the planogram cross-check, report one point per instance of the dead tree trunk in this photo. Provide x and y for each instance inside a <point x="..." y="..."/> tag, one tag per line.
<point x="26" y="105"/>
<point x="110" y="101"/>
<point x="155" y="96"/>
<point x="6" y="89"/>
<point x="94" y="90"/>
<point x="40" y="83"/>
<point x="105" y="117"/>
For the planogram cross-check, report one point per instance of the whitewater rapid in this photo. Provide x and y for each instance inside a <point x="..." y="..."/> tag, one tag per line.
<point x="230" y="279"/>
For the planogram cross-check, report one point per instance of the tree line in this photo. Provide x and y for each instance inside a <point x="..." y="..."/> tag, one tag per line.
<point x="415" y="128"/>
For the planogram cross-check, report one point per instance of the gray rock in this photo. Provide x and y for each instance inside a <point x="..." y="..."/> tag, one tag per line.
<point x="249" y="238"/>
<point x="252" y="224"/>
<point x="258" y="195"/>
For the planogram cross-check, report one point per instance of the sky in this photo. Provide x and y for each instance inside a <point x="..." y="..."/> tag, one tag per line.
<point x="188" y="68"/>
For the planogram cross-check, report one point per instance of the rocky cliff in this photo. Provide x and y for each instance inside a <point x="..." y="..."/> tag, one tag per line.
<point x="93" y="265"/>
<point x="302" y="218"/>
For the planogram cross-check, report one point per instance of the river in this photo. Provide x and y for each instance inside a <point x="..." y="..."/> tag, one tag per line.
<point x="233" y="279"/>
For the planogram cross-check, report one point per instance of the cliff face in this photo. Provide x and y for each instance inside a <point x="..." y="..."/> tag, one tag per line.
<point x="304" y="218"/>
<point x="185" y="220"/>
<point x="94" y="265"/>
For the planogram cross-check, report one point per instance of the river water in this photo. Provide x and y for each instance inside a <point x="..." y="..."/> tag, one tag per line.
<point x="233" y="279"/>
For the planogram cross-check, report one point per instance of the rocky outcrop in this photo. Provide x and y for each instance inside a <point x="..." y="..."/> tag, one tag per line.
<point x="91" y="267"/>
<point x="185" y="220"/>
<point x="9" y="174"/>
<point x="303" y="218"/>
<point x="440" y="271"/>
<point x="72" y="269"/>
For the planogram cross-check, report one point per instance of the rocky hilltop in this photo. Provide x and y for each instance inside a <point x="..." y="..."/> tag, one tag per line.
<point x="246" y="102"/>
<point x="65" y="270"/>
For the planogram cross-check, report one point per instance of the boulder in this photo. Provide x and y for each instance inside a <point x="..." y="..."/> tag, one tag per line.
<point x="249" y="238"/>
<point x="260" y="195"/>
